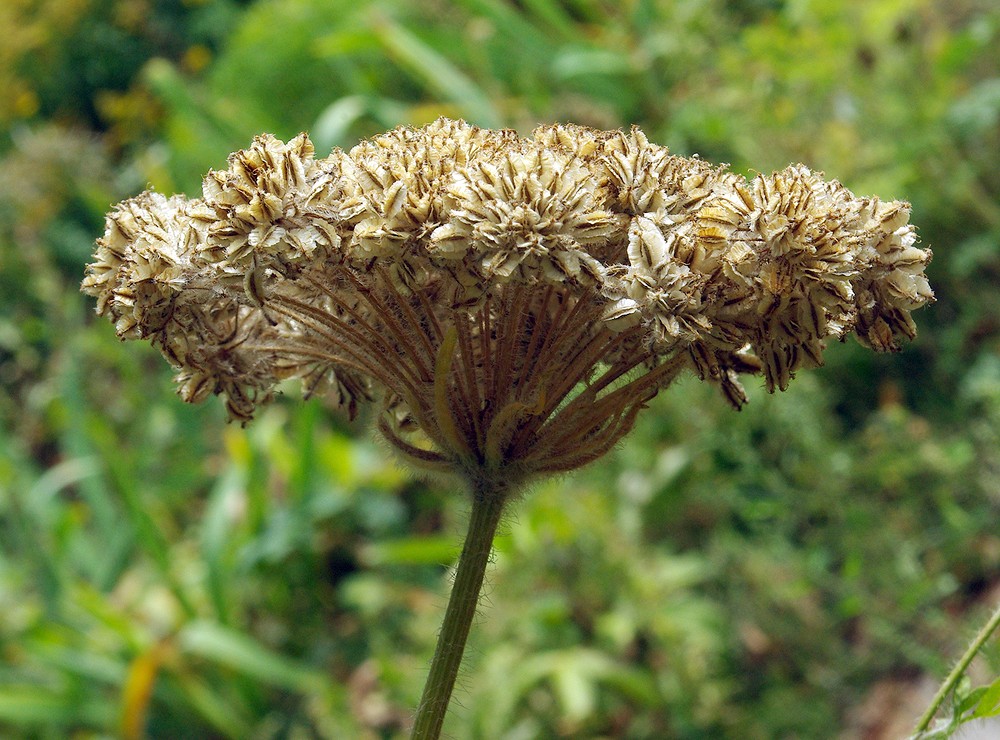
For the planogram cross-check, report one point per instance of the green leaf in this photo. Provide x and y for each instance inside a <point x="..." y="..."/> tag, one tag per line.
<point x="989" y="701"/>
<point x="970" y="700"/>
<point x="553" y="14"/>
<point x="241" y="652"/>
<point x="438" y="75"/>
<point x="575" y="62"/>
<point x="33" y="705"/>
<point x="217" y="538"/>
<point x="229" y="719"/>
<point x="83" y="662"/>
<point x="335" y="124"/>
<point x="441" y="549"/>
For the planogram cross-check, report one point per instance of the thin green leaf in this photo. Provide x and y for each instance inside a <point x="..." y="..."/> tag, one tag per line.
<point x="334" y="126"/>
<point x="104" y="554"/>
<point x="553" y="14"/>
<point x="411" y="551"/>
<point x="83" y="662"/>
<point x="989" y="701"/>
<point x="438" y="75"/>
<point x="223" y="715"/>
<point x="33" y="705"/>
<point x="575" y="62"/>
<point x="216" y="539"/>
<point x="241" y="652"/>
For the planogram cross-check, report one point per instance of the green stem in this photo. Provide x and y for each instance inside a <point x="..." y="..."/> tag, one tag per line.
<point x="487" y="506"/>
<point x="958" y="671"/>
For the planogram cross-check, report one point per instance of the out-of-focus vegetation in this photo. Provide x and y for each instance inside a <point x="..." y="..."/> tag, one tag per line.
<point x="755" y="575"/>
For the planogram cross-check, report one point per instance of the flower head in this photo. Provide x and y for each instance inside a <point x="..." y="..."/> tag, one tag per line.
<point x="513" y="302"/>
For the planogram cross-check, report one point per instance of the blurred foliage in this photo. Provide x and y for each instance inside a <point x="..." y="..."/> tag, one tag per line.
<point x="748" y="575"/>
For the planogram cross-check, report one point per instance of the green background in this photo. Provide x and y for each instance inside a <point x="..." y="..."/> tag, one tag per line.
<point x="796" y="570"/>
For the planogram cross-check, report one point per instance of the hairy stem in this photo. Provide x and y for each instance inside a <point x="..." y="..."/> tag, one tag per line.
<point x="958" y="671"/>
<point x="487" y="506"/>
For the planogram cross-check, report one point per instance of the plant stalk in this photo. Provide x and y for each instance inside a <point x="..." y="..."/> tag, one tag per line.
<point x="957" y="672"/>
<point x="487" y="507"/>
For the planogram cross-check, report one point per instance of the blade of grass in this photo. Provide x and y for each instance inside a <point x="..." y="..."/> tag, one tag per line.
<point x="243" y="653"/>
<point x="227" y="717"/>
<point x="554" y="15"/>
<point x="217" y="541"/>
<point x="84" y="663"/>
<point x="34" y="519"/>
<point x="34" y="706"/>
<point x="509" y="24"/>
<point x="102" y="553"/>
<point x="438" y="75"/>
<point x="128" y="484"/>
<point x="98" y="605"/>
<point x="524" y="74"/>
<point x="417" y="550"/>
<point x="334" y="126"/>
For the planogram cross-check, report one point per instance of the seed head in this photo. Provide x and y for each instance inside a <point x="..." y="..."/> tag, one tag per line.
<point x="513" y="303"/>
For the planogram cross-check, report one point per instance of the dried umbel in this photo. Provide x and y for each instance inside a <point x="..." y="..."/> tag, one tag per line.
<point x="510" y="303"/>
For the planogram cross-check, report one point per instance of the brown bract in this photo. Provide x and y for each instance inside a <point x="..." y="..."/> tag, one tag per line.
<point x="512" y="303"/>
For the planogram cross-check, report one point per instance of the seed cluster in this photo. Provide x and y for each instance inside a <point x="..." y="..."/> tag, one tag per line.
<point x="512" y="302"/>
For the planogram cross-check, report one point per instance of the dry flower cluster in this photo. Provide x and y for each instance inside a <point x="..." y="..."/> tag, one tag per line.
<point x="511" y="302"/>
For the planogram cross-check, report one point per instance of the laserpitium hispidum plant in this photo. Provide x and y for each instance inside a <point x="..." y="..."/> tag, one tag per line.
<point x="511" y="304"/>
